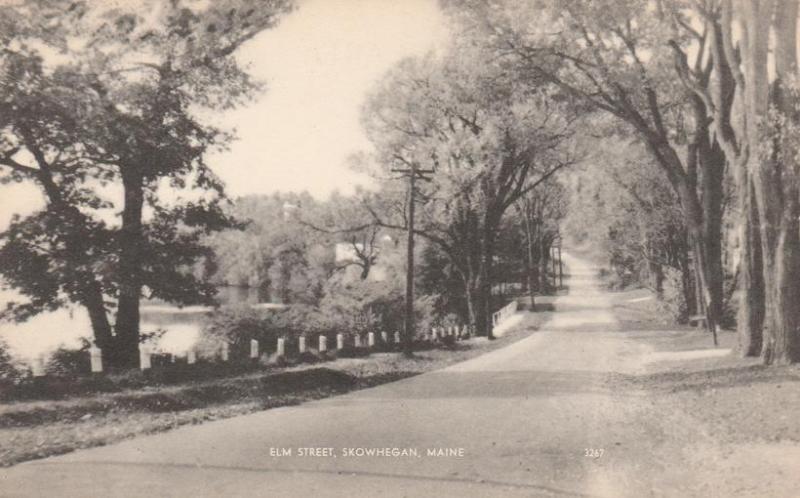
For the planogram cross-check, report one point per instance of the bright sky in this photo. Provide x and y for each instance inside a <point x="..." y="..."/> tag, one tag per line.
<point x="319" y="63"/>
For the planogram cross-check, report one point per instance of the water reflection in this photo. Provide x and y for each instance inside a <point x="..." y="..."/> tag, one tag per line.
<point x="248" y="295"/>
<point x="65" y="327"/>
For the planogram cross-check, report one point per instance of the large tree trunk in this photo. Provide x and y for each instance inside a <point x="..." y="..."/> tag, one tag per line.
<point x="693" y="217"/>
<point x="544" y="262"/>
<point x="786" y="287"/>
<point x="742" y="145"/>
<point x="531" y="282"/>
<point x="750" y="319"/>
<point x="774" y="173"/>
<point x="481" y="306"/>
<point x="688" y="283"/>
<point x="487" y="254"/>
<point x="488" y="233"/>
<point x="777" y="197"/>
<point x="709" y="274"/>
<point x="530" y="260"/>
<point x="88" y="290"/>
<point x="126" y="348"/>
<point x="703" y="214"/>
<point x="470" y="294"/>
<point x="781" y="253"/>
<point x="92" y="300"/>
<point x="533" y="277"/>
<point x="713" y="171"/>
<point x="655" y="274"/>
<point x="536" y="256"/>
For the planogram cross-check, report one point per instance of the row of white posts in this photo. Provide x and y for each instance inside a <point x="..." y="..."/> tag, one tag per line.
<point x="96" y="357"/>
<point x="302" y="347"/>
<point x="503" y="313"/>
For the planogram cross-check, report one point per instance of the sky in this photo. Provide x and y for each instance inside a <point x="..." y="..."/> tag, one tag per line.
<point x="318" y="64"/>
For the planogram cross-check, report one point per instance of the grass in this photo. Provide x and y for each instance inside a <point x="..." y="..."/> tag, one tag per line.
<point x="62" y="416"/>
<point x="736" y="400"/>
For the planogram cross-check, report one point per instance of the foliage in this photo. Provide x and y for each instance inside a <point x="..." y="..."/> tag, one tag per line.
<point x="363" y="306"/>
<point x="346" y="220"/>
<point x="275" y="251"/>
<point x="484" y="139"/>
<point x="531" y="233"/>
<point x="68" y="362"/>
<point x="673" y="303"/>
<point x="10" y="370"/>
<point x="437" y="277"/>
<point x="622" y="205"/>
<point x="642" y="63"/>
<point x="120" y="109"/>
<point x="237" y="326"/>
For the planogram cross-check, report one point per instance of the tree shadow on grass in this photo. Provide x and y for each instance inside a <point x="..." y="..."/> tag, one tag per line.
<point x="715" y="378"/>
<point x="268" y="391"/>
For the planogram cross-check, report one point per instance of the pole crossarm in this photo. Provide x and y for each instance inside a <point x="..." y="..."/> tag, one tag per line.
<point x="418" y="173"/>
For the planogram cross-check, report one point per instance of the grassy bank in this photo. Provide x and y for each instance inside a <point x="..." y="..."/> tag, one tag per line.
<point x="101" y="411"/>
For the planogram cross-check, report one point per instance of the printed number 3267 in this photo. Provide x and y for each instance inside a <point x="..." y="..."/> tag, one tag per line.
<point x="593" y="452"/>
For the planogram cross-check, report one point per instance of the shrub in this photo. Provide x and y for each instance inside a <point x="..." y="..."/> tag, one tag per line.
<point x="362" y="306"/>
<point x="300" y="319"/>
<point x="347" y="307"/>
<point x="427" y="313"/>
<point x="730" y="305"/>
<point x="161" y="359"/>
<point x="10" y="370"/>
<point x="237" y="325"/>
<point x="68" y="362"/>
<point x="673" y="302"/>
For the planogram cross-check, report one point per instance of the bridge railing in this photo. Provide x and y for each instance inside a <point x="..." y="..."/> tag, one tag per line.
<point x="504" y="313"/>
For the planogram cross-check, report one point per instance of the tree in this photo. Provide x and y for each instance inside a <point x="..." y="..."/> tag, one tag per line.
<point x="723" y="107"/>
<point x="622" y="203"/>
<point x="539" y="215"/>
<point x="489" y="142"/>
<point x="754" y="118"/>
<point x="345" y="220"/>
<point x="769" y="144"/>
<point x="121" y="112"/>
<point x="613" y="57"/>
<point x="276" y="252"/>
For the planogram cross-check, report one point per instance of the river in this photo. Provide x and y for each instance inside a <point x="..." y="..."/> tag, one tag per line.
<point x="65" y="327"/>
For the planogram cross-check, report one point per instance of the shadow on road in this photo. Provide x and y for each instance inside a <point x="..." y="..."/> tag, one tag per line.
<point x="499" y="384"/>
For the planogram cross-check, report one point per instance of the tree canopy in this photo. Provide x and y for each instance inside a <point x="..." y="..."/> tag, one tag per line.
<point x="97" y="98"/>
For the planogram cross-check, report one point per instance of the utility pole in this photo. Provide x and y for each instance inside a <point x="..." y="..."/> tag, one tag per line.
<point x="413" y="173"/>
<point x="560" y="267"/>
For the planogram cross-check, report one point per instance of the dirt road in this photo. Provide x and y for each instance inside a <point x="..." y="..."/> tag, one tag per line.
<point x="551" y="415"/>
